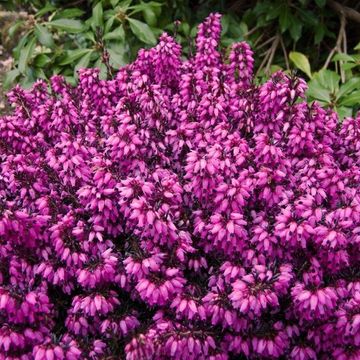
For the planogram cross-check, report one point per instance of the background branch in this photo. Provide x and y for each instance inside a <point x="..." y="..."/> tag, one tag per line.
<point x="348" y="12"/>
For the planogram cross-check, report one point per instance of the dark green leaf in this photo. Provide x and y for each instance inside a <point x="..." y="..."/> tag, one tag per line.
<point x="41" y="60"/>
<point x="102" y="67"/>
<point x="349" y="66"/>
<point x="185" y="28"/>
<point x="117" y="59"/>
<point x="124" y="5"/>
<point x="343" y="57"/>
<point x="143" y="5"/>
<point x="83" y="63"/>
<point x="320" y="3"/>
<point x="273" y="12"/>
<point x="142" y="31"/>
<point x="284" y="18"/>
<point x="89" y="35"/>
<point x="352" y="99"/>
<point x="108" y="24"/>
<point x="328" y="79"/>
<point x="71" y="80"/>
<point x="39" y="73"/>
<point x="44" y="35"/>
<point x="73" y="55"/>
<point x="97" y="16"/>
<point x="45" y="9"/>
<point x="348" y="87"/>
<point x="343" y="112"/>
<point x="20" y="45"/>
<point x="149" y="16"/>
<point x="308" y="17"/>
<point x="68" y="25"/>
<point x="316" y="91"/>
<point x="225" y="22"/>
<point x="69" y="13"/>
<point x="295" y="28"/>
<point x="118" y="34"/>
<point x="25" y="54"/>
<point x="319" y="34"/>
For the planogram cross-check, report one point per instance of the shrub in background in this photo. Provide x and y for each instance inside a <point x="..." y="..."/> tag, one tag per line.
<point x="178" y="211"/>
<point x="59" y="37"/>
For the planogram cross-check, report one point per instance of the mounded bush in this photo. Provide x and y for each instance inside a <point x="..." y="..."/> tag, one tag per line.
<point x="178" y="211"/>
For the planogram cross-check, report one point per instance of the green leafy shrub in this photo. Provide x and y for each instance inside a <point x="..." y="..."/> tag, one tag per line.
<point x="59" y="37"/>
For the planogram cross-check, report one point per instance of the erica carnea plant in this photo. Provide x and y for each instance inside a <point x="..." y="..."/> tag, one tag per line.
<point x="178" y="211"/>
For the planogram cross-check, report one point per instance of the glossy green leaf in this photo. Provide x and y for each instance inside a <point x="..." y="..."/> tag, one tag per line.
<point x="142" y="31"/>
<point x="301" y="62"/>
<point x="68" y="25"/>
<point x="26" y="53"/>
<point x="44" y="35"/>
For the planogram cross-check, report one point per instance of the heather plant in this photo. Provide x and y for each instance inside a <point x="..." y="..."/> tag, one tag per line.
<point x="179" y="211"/>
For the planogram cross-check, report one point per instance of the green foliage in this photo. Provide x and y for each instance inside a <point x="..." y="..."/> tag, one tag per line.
<point x="59" y="38"/>
<point x="301" y="62"/>
<point x="62" y="40"/>
<point x="327" y="89"/>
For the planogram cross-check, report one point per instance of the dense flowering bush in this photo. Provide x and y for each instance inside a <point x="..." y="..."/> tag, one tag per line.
<point x="179" y="211"/>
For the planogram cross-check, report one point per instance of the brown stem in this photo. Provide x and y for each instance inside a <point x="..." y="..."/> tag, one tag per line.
<point x="272" y="53"/>
<point x="269" y="55"/>
<point x="251" y="31"/>
<point x="265" y="42"/>
<point x="13" y="15"/>
<point x="346" y="11"/>
<point x="337" y="47"/>
<point x="285" y="53"/>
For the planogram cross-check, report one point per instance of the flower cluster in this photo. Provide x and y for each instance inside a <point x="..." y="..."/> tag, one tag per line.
<point x="178" y="211"/>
